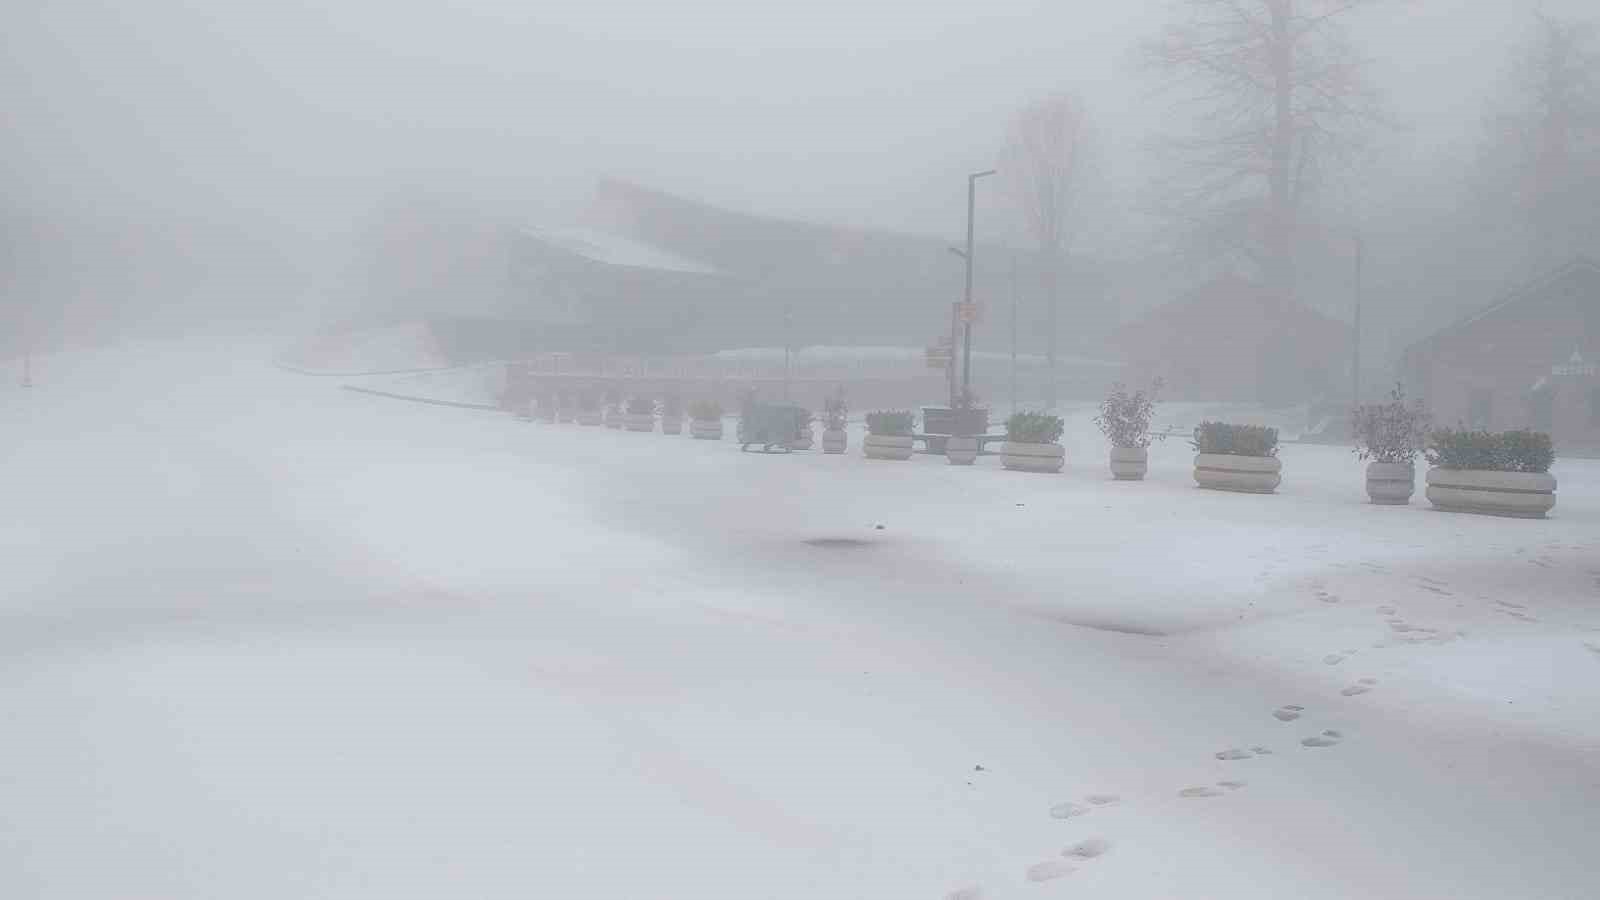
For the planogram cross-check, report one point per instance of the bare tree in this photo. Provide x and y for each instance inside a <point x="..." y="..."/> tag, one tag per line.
<point x="1543" y="155"/>
<point x="1045" y="161"/>
<point x="1278" y="100"/>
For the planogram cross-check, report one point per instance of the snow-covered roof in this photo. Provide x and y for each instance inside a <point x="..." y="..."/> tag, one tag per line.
<point x="1530" y="290"/>
<point x="616" y="250"/>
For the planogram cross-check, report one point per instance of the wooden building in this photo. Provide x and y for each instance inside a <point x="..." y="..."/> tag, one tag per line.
<point x="1232" y="339"/>
<point x="1528" y="360"/>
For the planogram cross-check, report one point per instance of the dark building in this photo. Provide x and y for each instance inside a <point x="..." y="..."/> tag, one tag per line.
<point x="1527" y="360"/>
<point x="1232" y="339"/>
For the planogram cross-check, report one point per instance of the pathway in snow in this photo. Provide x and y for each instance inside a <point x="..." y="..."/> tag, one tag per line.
<point x="266" y="638"/>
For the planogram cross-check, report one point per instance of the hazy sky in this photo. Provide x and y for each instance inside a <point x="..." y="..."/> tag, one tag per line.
<point x="863" y="111"/>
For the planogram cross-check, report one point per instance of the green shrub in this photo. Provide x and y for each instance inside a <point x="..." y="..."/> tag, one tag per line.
<point x="640" y="405"/>
<point x="1235" y="440"/>
<point x="705" y="410"/>
<point x="893" y="422"/>
<point x="1502" y="451"/>
<point x="1034" y="428"/>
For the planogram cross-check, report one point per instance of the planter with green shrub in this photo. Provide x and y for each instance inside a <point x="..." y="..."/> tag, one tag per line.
<point x="1237" y="458"/>
<point x="1389" y="436"/>
<point x="1033" y="443"/>
<point x="889" y="434"/>
<point x="1505" y="473"/>
<point x="1125" y="421"/>
<point x="835" y="413"/>
<point x="672" y="414"/>
<point x="705" y="420"/>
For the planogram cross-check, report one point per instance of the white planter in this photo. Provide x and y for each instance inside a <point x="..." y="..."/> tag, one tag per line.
<point x="1028" y="457"/>
<point x="1129" y="463"/>
<point x="1527" y="495"/>
<point x="1247" y="474"/>
<point x="640" y="421"/>
<point x="1391" y="484"/>
<point x="671" y="426"/>
<point x="887" y="446"/>
<point x="961" y="451"/>
<point x="590" y="417"/>
<point x="834" y="440"/>
<point x="705" y="429"/>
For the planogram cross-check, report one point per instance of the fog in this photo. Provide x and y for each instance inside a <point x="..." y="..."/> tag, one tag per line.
<point x="188" y="162"/>
<point x="512" y="448"/>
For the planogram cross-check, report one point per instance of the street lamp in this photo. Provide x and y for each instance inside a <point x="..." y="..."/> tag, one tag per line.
<point x="1355" y="337"/>
<point x="966" y="340"/>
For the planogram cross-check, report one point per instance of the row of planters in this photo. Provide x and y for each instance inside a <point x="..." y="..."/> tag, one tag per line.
<point x="1499" y="473"/>
<point x="1503" y="473"/>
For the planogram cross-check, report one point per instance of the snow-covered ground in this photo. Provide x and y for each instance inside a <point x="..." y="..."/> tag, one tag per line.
<point x="266" y="638"/>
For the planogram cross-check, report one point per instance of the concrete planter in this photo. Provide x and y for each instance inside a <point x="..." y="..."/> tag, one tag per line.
<point x="1246" y="474"/>
<point x="1129" y="463"/>
<point x="613" y="419"/>
<point x="640" y="421"/>
<point x="705" y="429"/>
<point x="1525" y="495"/>
<point x="805" y="441"/>
<point x="1391" y="484"/>
<point x="1028" y="457"/>
<point x="961" y="451"/>
<point x="546" y="415"/>
<point x="671" y="426"/>
<point x="834" y="440"/>
<point x="591" y="417"/>
<point x="887" y="446"/>
<point x="566" y="416"/>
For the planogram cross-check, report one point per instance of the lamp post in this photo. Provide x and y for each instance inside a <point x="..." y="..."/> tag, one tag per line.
<point x="966" y="339"/>
<point x="1355" y="338"/>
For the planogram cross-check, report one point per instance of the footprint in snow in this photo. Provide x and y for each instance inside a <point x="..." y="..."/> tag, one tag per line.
<point x="1326" y="739"/>
<point x="1073" y="810"/>
<point x="1049" y="870"/>
<point x="1387" y="610"/>
<point x="1509" y="605"/>
<point x="1593" y="648"/>
<point x="1090" y="849"/>
<point x="1240" y="753"/>
<point x="1333" y="659"/>
<point x="1360" y="687"/>
<point x="1326" y="597"/>
<point x="970" y="892"/>
<point x="1288" y="713"/>
<point x="1222" y="787"/>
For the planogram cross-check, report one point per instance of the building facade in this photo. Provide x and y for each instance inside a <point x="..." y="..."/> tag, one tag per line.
<point x="1527" y="361"/>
